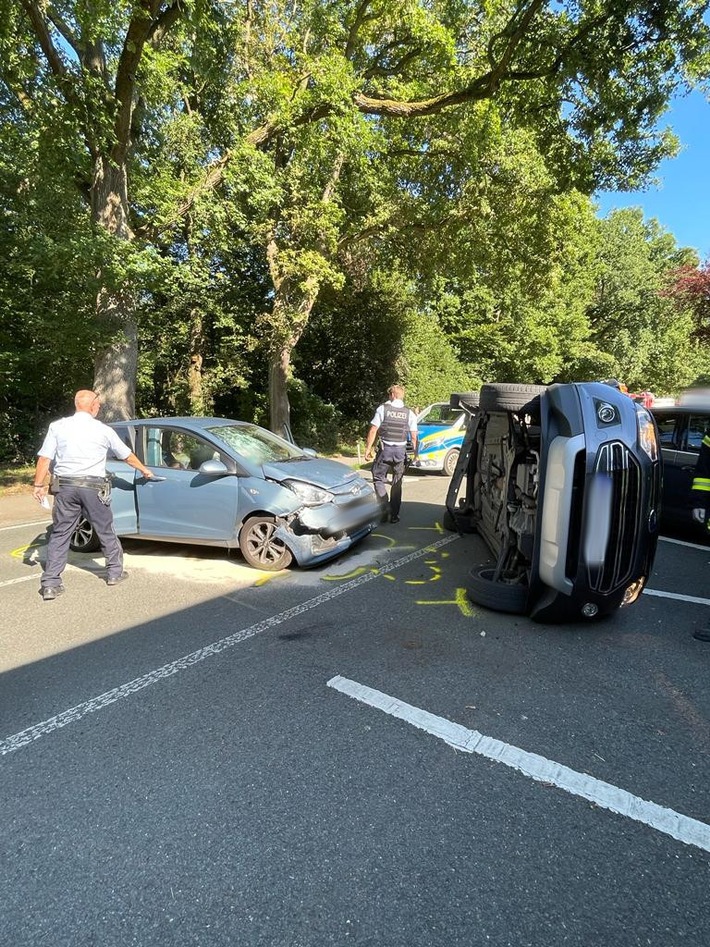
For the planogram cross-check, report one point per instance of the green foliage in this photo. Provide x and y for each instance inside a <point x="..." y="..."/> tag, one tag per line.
<point x="633" y="320"/>
<point x="314" y="422"/>
<point x="346" y="175"/>
<point x="428" y="366"/>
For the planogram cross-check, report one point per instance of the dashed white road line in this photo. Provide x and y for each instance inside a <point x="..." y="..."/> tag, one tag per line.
<point x="683" y="542"/>
<point x="680" y="827"/>
<point x="23" y="578"/>
<point x="24" y="525"/>
<point x="30" y="734"/>
<point x="678" y="597"/>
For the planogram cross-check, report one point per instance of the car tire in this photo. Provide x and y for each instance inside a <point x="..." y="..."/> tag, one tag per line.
<point x="450" y="462"/>
<point x="261" y="548"/>
<point x="499" y="596"/>
<point x="465" y="399"/>
<point x="84" y="538"/>
<point x="502" y="397"/>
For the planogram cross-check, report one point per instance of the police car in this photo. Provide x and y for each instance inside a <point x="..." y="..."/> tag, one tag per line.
<point x="441" y="427"/>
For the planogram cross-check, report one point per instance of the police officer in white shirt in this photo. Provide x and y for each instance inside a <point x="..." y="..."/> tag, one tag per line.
<point x="393" y="421"/>
<point x="78" y="445"/>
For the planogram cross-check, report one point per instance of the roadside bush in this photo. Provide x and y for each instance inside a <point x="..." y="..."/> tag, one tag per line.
<point x="19" y="437"/>
<point x="314" y="423"/>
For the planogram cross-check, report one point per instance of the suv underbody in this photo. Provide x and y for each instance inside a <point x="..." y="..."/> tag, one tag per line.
<point x="563" y="485"/>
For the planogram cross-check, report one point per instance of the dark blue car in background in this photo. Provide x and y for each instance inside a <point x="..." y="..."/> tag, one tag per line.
<point x="681" y="429"/>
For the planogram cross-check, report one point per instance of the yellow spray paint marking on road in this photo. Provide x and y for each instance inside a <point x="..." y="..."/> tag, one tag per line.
<point x="26" y="553"/>
<point x="391" y="541"/>
<point x="436" y="528"/>
<point x="461" y="602"/>
<point x="263" y="579"/>
<point x="434" y="578"/>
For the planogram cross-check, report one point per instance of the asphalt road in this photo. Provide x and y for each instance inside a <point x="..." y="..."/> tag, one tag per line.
<point x="206" y="755"/>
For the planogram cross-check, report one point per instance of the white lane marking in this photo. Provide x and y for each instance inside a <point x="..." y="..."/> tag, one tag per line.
<point x="24" y="525"/>
<point x="70" y="567"/>
<point x="682" y="542"/>
<point x="25" y="578"/>
<point x="676" y="595"/>
<point x="680" y="827"/>
<point x="24" y="737"/>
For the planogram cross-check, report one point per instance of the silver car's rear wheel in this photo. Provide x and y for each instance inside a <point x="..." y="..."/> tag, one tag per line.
<point x="84" y="538"/>
<point x="260" y="546"/>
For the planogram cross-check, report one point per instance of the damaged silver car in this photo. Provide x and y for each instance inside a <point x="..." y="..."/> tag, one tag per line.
<point x="220" y="482"/>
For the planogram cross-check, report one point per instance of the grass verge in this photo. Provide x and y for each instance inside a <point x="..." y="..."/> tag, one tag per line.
<point x="14" y="480"/>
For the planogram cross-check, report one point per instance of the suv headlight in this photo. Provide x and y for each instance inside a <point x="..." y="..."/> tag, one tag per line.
<point x="310" y="495"/>
<point x="647" y="433"/>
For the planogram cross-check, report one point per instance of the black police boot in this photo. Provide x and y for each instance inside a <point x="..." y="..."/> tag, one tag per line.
<point x="50" y="592"/>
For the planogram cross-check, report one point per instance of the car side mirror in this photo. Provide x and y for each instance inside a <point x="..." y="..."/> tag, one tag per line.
<point x="213" y="468"/>
<point x="309" y="452"/>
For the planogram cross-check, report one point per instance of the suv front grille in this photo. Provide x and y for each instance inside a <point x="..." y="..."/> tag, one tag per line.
<point x="617" y="464"/>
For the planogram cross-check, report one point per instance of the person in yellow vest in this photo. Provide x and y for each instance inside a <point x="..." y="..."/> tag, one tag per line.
<point x="700" y="491"/>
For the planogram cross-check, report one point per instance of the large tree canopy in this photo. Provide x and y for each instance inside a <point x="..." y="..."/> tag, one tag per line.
<point x="293" y="146"/>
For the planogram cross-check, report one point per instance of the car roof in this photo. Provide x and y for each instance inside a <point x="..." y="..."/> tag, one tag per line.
<point x="197" y="423"/>
<point x="682" y="409"/>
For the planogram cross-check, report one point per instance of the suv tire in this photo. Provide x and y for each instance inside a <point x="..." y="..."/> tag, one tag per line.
<point x="498" y="596"/>
<point x="465" y="399"/>
<point x="502" y="397"/>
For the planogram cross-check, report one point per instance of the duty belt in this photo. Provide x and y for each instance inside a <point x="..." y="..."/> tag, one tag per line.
<point x="95" y="483"/>
<point x="102" y="485"/>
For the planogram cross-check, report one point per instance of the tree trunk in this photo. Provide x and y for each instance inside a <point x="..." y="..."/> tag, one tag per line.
<point x="279" y="374"/>
<point x="116" y="363"/>
<point x="195" y="388"/>
<point x="288" y="321"/>
<point x="294" y="298"/>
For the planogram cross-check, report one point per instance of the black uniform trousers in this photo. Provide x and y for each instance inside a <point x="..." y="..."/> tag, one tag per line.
<point x="389" y="459"/>
<point x="70" y="504"/>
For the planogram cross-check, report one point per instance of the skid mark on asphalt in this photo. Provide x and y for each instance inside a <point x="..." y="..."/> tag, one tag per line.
<point x="685" y="707"/>
<point x="73" y="714"/>
<point x="605" y="795"/>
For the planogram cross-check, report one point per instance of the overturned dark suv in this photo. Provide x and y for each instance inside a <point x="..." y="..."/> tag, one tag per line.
<point x="563" y="483"/>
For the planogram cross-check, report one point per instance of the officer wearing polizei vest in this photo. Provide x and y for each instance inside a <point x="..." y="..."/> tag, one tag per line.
<point x="393" y="421"/>
<point x="78" y="445"/>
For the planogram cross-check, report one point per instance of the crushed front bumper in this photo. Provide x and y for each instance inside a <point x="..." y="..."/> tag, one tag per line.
<point x="316" y="534"/>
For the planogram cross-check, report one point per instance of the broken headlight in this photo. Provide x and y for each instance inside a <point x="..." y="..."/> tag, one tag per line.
<point x="308" y="494"/>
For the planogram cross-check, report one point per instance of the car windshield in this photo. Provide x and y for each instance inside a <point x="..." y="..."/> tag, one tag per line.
<point x="440" y="414"/>
<point x="256" y="444"/>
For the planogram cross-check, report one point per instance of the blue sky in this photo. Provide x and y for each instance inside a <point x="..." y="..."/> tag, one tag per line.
<point x="681" y="201"/>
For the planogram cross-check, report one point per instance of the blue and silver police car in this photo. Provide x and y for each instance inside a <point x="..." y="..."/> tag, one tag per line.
<point x="441" y="428"/>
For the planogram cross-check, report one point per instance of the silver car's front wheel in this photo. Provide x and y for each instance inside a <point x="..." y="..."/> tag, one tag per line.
<point x="84" y="538"/>
<point x="260" y="546"/>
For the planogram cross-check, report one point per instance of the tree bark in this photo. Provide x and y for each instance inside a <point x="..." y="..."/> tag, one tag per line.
<point x="279" y="374"/>
<point x="195" y="387"/>
<point x="290" y="316"/>
<point x="115" y="364"/>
